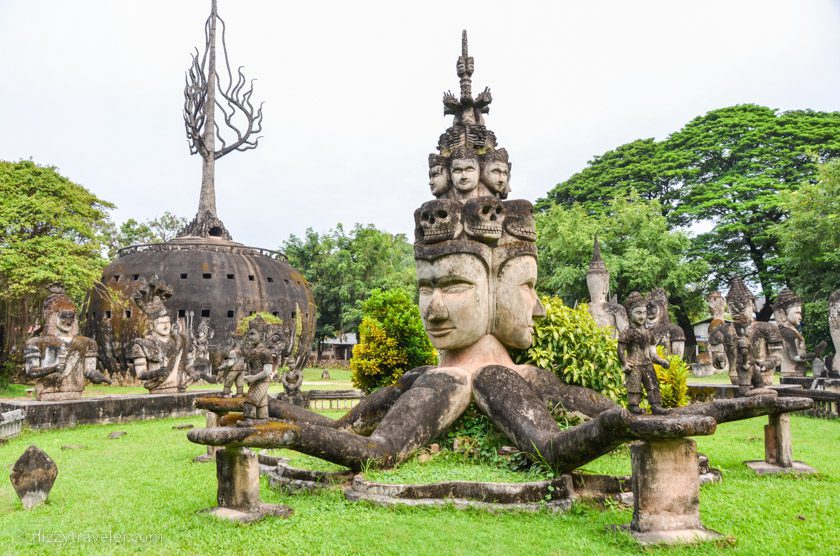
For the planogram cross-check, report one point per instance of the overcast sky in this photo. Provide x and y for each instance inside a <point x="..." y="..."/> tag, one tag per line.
<point x="352" y="93"/>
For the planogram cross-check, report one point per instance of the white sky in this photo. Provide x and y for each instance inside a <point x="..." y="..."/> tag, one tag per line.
<point x="352" y="93"/>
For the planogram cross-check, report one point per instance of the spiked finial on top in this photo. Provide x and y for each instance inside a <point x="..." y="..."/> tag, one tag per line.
<point x="465" y="69"/>
<point x="597" y="264"/>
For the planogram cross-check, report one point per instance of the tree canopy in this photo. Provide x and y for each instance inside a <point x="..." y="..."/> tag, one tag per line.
<point x="724" y="171"/>
<point x="344" y="268"/>
<point x="154" y="230"/>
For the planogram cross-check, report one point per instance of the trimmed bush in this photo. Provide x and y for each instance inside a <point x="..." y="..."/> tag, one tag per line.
<point x="392" y="340"/>
<point x="673" y="381"/>
<point x="569" y="343"/>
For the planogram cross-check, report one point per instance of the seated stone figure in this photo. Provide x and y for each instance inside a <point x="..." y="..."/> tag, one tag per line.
<point x="608" y="315"/>
<point x="59" y="360"/>
<point x="796" y="361"/>
<point x="665" y="333"/>
<point x="160" y="359"/>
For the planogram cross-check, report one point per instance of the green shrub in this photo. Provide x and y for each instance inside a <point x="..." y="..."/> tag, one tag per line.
<point x="392" y="340"/>
<point x="242" y="326"/>
<point x="673" y="381"/>
<point x="569" y="343"/>
<point x="815" y="323"/>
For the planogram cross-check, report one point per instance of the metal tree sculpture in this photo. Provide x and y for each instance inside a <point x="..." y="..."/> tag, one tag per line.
<point x="203" y="129"/>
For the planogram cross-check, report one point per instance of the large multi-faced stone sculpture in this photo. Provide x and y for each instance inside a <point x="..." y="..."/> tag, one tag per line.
<point x="477" y="299"/>
<point x="637" y="354"/>
<point x="59" y="360"/>
<point x="665" y="333"/>
<point x="758" y="344"/>
<point x="161" y="357"/>
<point x="795" y="359"/>
<point x="607" y="315"/>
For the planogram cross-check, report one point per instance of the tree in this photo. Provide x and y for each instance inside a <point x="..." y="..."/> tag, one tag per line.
<point x="131" y="232"/>
<point x="50" y="231"/>
<point x="637" y="246"/>
<point x="724" y="169"/>
<point x="392" y="340"/>
<point x="344" y="268"/>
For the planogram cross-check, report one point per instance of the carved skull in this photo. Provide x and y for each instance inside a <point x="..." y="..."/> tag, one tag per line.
<point x="437" y="220"/>
<point x="484" y="218"/>
<point x="519" y="220"/>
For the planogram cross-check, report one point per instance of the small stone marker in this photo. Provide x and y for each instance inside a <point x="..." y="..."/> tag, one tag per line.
<point x="182" y="427"/>
<point x="117" y="434"/>
<point x="325" y="375"/>
<point x="424" y="458"/>
<point x="33" y="476"/>
<point x="434" y="448"/>
<point x="73" y="447"/>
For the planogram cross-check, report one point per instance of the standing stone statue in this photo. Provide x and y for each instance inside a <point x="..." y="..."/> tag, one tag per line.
<point x="199" y="364"/>
<point x="232" y="371"/>
<point x="59" y="360"/>
<point x="788" y="312"/>
<point x="758" y="344"/>
<point x="160" y="359"/>
<point x="608" y="315"/>
<point x="637" y="354"/>
<point x="833" y="364"/>
<point x="721" y="337"/>
<point x="668" y="335"/>
<point x="262" y="369"/>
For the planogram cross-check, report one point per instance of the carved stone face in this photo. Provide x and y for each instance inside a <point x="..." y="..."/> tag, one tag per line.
<point x="638" y="315"/>
<point x="717" y="305"/>
<point x="454" y="300"/>
<point x="162" y="326"/>
<point x="252" y="339"/>
<point x="517" y="303"/>
<point x="437" y="220"/>
<point x="484" y="218"/>
<point x="439" y="180"/>
<point x="496" y="176"/>
<point x="465" y="174"/>
<point x="64" y="322"/>
<point x="793" y="315"/>
<point x="654" y="312"/>
<point x="599" y="285"/>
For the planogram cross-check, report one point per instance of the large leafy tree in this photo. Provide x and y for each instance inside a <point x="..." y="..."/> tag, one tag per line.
<point x="723" y="171"/>
<point x="637" y="246"/>
<point x="344" y="268"/>
<point x="50" y="231"/>
<point x="154" y="230"/>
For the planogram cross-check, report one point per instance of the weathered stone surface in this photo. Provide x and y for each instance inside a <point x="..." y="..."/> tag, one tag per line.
<point x="73" y="447"/>
<point x="183" y="427"/>
<point x="33" y="476"/>
<point x="778" y="449"/>
<point x="284" y="477"/>
<point x="117" y="434"/>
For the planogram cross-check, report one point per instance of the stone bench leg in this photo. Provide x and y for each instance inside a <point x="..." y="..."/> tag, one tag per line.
<point x="666" y="493"/>
<point x="778" y="449"/>
<point x="238" y="493"/>
<point x="212" y="421"/>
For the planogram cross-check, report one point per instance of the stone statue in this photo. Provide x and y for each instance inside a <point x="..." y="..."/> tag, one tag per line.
<point x="665" y="333"/>
<point x="608" y="315"/>
<point x="637" y="354"/>
<point x="199" y="364"/>
<point x="476" y="271"/>
<point x="495" y="173"/>
<point x="833" y="364"/>
<point x="788" y="312"/>
<point x="439" y="181"/>
<point x="59" y="360"/>
<point x="232" y="371"/>
<point x="722" y="344"/>
<point x="160" y="359"/>
<point x="758" y="344"/>
<point x="262" y="364"/>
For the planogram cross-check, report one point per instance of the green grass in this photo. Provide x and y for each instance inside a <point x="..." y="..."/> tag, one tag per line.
<point x="723" y="378"/>
<point x="144" y="483"/>
<point x="340" y="380"/>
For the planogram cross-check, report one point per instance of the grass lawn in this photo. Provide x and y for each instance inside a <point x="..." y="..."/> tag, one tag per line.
<point x="339" y="380"/>
<point x="145" y="485"/>
<point x="723" y="378"/>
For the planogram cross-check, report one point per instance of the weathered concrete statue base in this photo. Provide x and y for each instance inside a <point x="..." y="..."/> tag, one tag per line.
<point x="666" y="493"/>
<point x="778" y="449"/>
<point x="238" y="494"/>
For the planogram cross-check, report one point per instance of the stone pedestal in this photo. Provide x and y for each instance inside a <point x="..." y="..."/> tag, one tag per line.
<point x="238" y="494"/>
<point x="212" y="421"/>
<point x="666" y="493"/>
<point x="778" y="449"/>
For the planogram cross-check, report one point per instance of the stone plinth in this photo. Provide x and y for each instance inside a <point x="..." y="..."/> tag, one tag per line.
<point x="666" y="493"/>
<point x="212" y="421"/>
<point x="107" y="409"/>
<point x="238" y="493"/>
<point x="778" y="449"/>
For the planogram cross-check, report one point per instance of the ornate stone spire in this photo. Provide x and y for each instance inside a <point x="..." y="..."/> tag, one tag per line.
<point x="597" y="264"/>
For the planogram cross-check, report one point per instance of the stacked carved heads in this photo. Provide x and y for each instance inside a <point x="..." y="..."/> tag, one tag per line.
<point x="150" y="298"/>
<point x="475" y="250"/>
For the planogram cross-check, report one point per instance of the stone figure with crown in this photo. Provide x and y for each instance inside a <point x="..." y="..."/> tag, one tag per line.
<point x="758" y="344"/>
<point x="722" y="344"/>
<point x="59" y="360"/>
<point x="795" y="359"/>
<point x="232" y="370"/>
<point x="262" y="347"/>
<point x="161" y="357"/>
<point x="637" y="354"/>
<point x="665" y="333"/>
<point x="608" y="315"/>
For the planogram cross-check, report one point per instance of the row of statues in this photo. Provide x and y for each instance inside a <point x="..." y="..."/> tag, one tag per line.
<point x="60" y="361"/>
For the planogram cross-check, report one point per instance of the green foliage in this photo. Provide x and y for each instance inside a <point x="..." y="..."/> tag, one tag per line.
<point x="50" y="231"/>
<point x="569" y="343"/>
<point x="636" y="245"/>
<point x="392" y="340"/>
<point x="344" y="268"/>
<point x="242" y="325"/>
<point x="815" y="324"/>
<point x="131" y="232"/>
<point x="673" y="381"/>
<point x="726" y="168"/>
